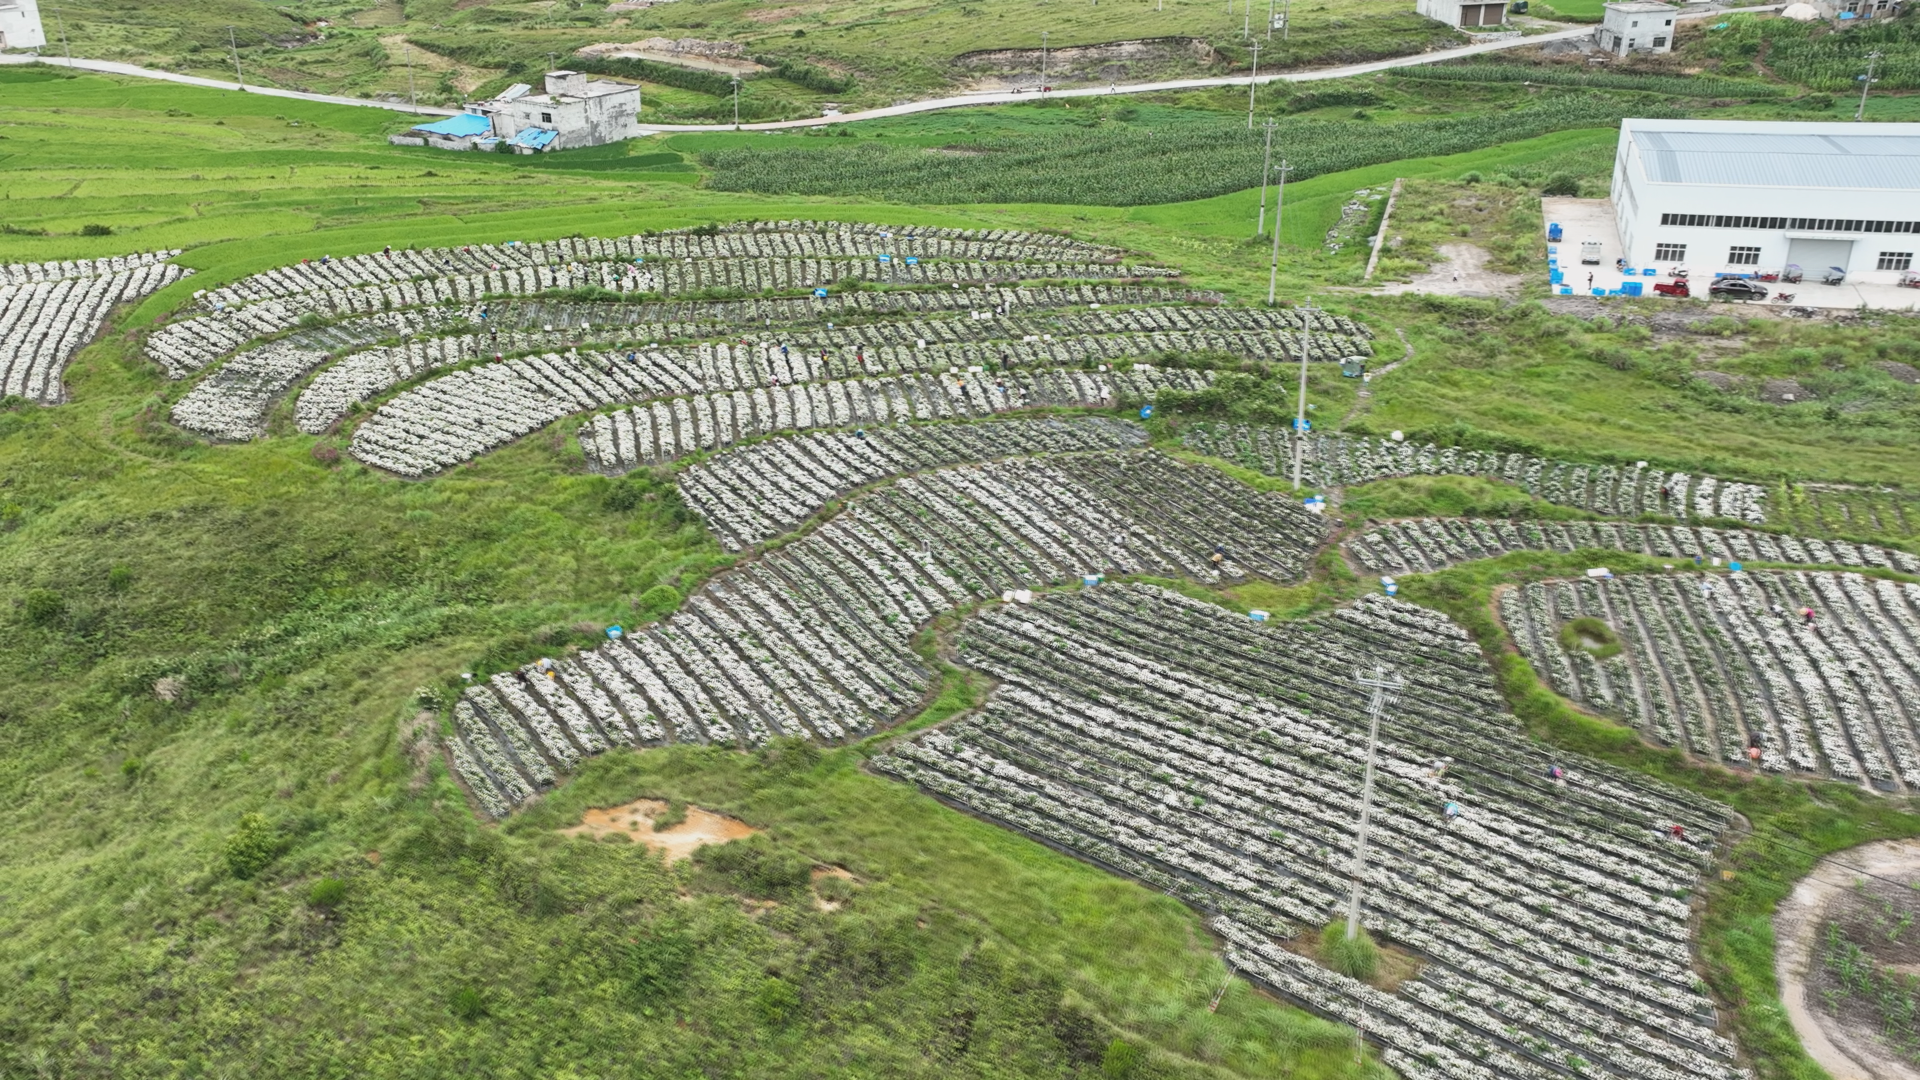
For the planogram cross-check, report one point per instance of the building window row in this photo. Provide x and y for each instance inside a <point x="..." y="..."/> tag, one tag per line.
<point x="1743" y="256"/>
<point x="1736" y="221"/>
<point x="1669" y="253"/>
<point x="1896" y="260"/>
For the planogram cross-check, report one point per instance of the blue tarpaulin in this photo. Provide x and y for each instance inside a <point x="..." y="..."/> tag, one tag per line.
<point x="534" y="138"/>
<point x="458" y="125"/>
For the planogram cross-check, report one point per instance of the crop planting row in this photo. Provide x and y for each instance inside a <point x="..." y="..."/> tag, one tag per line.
<point x="1719" y="664"/>
<point x="1221" y="760"/>
<point x="234" y="401"/>
<point x="1427" y="544"/>
<point x="755" y="493"/>
<point x="188" y="345"/>
<point x="36" y="273"/>
<point x="745" y="275"/>
<point x="1616" y="490"/>
<point x="43" y="323"/>
<point x="460" y="416"/>
<point x="789" y="240"/>
<point x="814" y="639"/>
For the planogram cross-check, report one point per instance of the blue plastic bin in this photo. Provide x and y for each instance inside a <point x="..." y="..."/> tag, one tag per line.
<point x="1649" y="272"/>
<point x="1630" y="288"/>
<point x="1557" y="277"/>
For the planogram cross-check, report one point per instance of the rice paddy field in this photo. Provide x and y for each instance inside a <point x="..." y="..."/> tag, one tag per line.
<point x="310" y="551"/>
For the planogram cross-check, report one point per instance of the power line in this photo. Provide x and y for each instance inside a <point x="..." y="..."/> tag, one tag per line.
<point x="235" y="48"/>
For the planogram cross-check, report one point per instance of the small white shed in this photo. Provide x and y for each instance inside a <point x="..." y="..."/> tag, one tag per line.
<point x="1466" y="14"/>
<point x="20" y="25"/>
<point x="1639" y="26"/>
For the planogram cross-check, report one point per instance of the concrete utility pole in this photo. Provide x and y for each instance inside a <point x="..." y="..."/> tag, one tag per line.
<point x="1273" y="272"/>
<point x="736" y="101"/>
<point x="1286" y="20"/>
<point x="1300" y="423"/>
<point x="1384" y="685"/>
<point x="1043" y="63"/>
<point x="64" y="44"/>
<point x="1246" y="20"/>
<point x="412" y="94"/>
<point x="1266" y="170"/>
<point x="1866" y="83"/>
<point x="1252" y="81"/>
<point x="235" y="48"/>
<point x="1269" y="20"/>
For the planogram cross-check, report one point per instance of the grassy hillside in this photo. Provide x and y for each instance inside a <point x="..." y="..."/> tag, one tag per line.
<point x="887" y="50"/>
<point x="298" y="608"/>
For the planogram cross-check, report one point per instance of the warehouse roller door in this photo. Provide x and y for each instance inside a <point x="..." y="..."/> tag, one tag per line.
<point x="1482" y="14"/>
<point x="1814" y="256"/>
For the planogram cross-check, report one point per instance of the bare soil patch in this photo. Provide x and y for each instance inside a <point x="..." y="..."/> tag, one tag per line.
<point x="1463" y="272"/>
<point x="635" y="821"/>
<point x="1862" y="893"/>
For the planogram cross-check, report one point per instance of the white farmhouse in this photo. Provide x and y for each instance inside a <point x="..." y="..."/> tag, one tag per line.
<point x="1731" y="196"/>
<point x="1636" y="27"/>
<point x="575" y="111"/>
<point x="20" y="25"/>
<point x="1463" y="13"/>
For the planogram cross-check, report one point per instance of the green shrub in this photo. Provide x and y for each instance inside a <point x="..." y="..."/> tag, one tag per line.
<point x="1561" y="184"/>
<point x="118" y="578"/>
<point x="674" y="814"/>
<point x="657" y="602"/>
<point x="467" y="1003"/>
<point x="657" y="963"/>
<point x="133" y="769"/>
<point x="1589" y="635"/>
<point x="1121" y="1059"/>
<point x="252" y="847"/>
<point x="623" y="496"/>
<point x="96" y="230"/>
<point x="327" y="893"/>
<point x="757" y="867"/>
<point x="776" y="1001"/>
<point x="44" y="607"/>
<point x="1356" y="957"/>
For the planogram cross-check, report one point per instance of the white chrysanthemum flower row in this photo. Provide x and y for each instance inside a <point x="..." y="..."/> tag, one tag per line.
<point x="43" y="323"/>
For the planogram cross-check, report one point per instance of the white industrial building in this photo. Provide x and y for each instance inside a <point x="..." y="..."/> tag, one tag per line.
<point x="20" y="25"/>
<point x="1469" y="14"/>
<point x="1741" y="197"/>
<point x="1639" y="26"/>
<point x="576" y="111"/>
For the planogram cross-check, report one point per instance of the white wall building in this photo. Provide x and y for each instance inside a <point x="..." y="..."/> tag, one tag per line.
<point x="579" y="110"/>
<point x="20" y="25"/>
<point x="1637" y="27"/>
<point x="1463" y="13"/>
<point x="1737" y="197"/>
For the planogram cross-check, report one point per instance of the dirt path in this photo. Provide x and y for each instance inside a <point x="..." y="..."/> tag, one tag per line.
<point x="1463" y="273"/>
<point x="1795" y="926"/>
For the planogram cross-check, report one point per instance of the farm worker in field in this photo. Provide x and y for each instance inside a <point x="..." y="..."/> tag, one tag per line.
<point x="1452" y="811"/>
<point x="1557" y="774"/>
<point x="1753" y="753"/>
<point x="1679" y="832"/>
<point x="1808" y="613"/>
<point x="387" y="251"/>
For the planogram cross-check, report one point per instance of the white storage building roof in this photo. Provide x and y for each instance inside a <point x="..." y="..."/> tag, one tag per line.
<point x="1779" y="154"/>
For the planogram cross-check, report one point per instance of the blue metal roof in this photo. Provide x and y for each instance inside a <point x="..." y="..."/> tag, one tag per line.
<point x="1817" y="159"/>
<point x="457" y="125"/>
<point x="534" y="138"/>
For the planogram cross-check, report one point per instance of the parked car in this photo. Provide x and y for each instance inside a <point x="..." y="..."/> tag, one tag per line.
<point x="1737" y="289"/>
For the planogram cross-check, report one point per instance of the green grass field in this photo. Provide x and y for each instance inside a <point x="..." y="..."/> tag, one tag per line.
<point x="303" y="606"/>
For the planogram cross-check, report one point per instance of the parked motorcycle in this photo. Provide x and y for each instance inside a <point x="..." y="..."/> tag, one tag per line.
<point x="1783" y="298"/>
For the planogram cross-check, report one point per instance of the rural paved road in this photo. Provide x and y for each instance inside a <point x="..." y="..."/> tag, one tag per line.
<point x="992" y="98"/>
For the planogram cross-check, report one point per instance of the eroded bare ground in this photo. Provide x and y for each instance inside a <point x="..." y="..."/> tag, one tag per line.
<point x="1463" y="272"/>
<point x="1848" y="891"/>
<point x="635" y="820"/>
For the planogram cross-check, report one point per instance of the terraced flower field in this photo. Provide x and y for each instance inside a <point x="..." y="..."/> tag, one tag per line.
<point x="1219" y="760"/>
<point x="1429" y="544"/>
<point x="48" y="311"/>
<point x="814" y="640"/>
<point x="1622" y="491"/>
<point x="1718" y="664"/>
